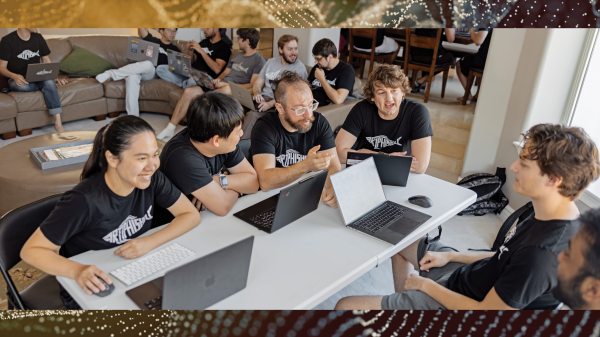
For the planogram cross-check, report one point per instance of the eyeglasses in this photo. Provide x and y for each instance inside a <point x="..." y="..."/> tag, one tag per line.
<point x="301" y="111"/>
<point x="519" y="146"/>
<point x="318" y="59"/>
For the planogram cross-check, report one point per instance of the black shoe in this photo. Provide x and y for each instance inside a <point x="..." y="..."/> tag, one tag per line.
<point x="417" y="88"/>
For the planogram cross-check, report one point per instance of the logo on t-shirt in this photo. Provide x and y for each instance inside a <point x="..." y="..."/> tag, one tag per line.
<point x="238" y="67"/>
<point x="380" y="142"/>
<point x="162" y="51"/>
<point x="27" y="54"/>
<point x="206" y="50"/>
<point x="290" y="157"/>
<point x="316" y="82"/>
<point x="44" y="72"/>
<point x="128" y="228"/>
<point x="509" y="236"/>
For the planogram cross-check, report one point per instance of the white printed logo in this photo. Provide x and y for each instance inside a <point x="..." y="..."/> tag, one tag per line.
<point x="128" y="228"/>
<point x="316" y="82"/>
<point x="206" y="50"/>
<point x="380" y="142"/>
<point x="238" y="67"/>
<point x="162" y="51"/>
<point x="509" y="236"/>
<point x="44" y="72"/>
<point x="27" y="54"/>
<point x="290" y="157"/>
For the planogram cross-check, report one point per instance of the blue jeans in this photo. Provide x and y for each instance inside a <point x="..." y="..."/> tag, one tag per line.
<point x="181" y="81"/>
<point x="47" y="87"/>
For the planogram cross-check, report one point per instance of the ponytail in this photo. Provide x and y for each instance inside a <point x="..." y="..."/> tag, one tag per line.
<point x="116" y="138"/>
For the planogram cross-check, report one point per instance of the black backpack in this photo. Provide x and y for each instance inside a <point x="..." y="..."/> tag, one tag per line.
<point x="488" y="187"/>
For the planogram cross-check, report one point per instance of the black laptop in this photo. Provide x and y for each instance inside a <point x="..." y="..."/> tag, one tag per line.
<point x="392" y="170"/>
<point x="292" y="203"/>
<point x="198" y="284"/>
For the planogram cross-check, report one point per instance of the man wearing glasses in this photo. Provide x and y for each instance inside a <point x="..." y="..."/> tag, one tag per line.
<point x="294" y="139"/>
<point x="331" y="79"/>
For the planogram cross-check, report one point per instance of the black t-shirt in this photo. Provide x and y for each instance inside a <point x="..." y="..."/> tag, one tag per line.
<point x="485" y="45"/>
<point x="20" y="53"/>
<point x="219" y="50"/>
<point x="366" y="43"/>
<point x="376" y="134"/>
<point x="189" y="169"/>
<point x="428" y="32"/>
<point x="92" y="217"/>
<point x="289" y="148"/>
<point x="523" y="270"/>
<point x="162" y="50"/>
<point x="340" y="77"/>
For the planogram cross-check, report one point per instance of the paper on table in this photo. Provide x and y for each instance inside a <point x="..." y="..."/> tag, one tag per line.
<point x="50" y="154"/>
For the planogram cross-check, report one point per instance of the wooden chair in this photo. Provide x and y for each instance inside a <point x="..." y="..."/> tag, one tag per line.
<point x="425" y="43"/>
<point x="473" y="73"/>
<point x="370" y="33"/>
<point x="398" y="35"/>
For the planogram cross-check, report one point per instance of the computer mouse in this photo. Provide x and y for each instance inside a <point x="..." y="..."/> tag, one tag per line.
<point x="421" y="200"/>
<point x="108" y="290"/>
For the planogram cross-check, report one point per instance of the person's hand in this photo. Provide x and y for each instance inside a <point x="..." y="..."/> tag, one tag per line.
<point x="87" y="278"/>
<point x="403" y="154"/>
<point x="198" y="204"/>
<point x="320" y="74"/>
<point x="317" y="161"/>
<point x="20" y="80"/>
<point x="414" y="282"/>
<point x="216" y="82"/>
<point x="264" y="106"/>
<point x="220" y="84"/>
<point x="434" y="260"/>
<point x="134" y="248"/>
<point x="193" y="45"/>
<point x="61" y="81"/>
<point x="258" y="98"/>
<point x="328" y="197"/>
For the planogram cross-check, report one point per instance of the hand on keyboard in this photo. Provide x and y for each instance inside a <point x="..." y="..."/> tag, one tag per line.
<point x="87" y="278"/>
<point x="134" y="248"/>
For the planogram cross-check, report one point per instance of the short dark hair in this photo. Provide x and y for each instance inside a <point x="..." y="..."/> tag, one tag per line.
<point x="324" y="47"/>
<point x="563" y="152"/>
<point x="250" y="34"/>
<point x="590" y="229"/>
<point x="213" y="114"/>
<point x="176" y="29"/>
<point x="287" y="79"/>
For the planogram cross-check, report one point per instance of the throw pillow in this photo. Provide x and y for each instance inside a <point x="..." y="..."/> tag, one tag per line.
<point x="83" y="62"/>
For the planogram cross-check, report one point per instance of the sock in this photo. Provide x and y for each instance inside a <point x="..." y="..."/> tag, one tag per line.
<point x="103" y="77"/>
<point x="168" y="132"/>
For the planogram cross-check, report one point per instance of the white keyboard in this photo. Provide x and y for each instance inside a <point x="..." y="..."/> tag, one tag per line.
<point x="151" y="263"/>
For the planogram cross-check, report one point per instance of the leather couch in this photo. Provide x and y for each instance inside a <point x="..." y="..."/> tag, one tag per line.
<point x="85" y="97"/>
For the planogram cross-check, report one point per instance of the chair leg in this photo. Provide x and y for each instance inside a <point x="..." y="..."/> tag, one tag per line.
<point x="429" y="80"/>
<point x="361" y="70"/>
<point x="468" y="88"/>
<point x="446" y="71"/>
<point x="413" y="77"/>
<point x="114" y="114"/>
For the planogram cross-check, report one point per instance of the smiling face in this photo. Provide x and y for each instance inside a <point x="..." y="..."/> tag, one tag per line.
<point x="290" y="51"/>
<point x="387" y="100"/>
<point x="168" y="34"/>
<point x="138" y="163"/>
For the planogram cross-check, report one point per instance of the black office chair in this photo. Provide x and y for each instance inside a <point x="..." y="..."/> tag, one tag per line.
<point x="16" y="227"/>
<point x="245" y="147"/>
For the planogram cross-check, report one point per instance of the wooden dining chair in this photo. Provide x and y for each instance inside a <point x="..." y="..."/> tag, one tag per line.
<point x="433" y="44"/>
<point x="473" y="74"/>
<point x="370" y="33"/>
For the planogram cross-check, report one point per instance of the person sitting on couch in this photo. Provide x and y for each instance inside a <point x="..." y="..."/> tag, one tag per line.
<point x="134" y="73"/>
<point x="331" y="80"/>
<point x="19" y="49"/>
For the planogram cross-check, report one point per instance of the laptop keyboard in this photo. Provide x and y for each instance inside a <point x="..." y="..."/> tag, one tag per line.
<point x="154" y="304"/>
<point x="151" y="263"/>
<point x="264" y="220"/>
<point x="380" y="217"/>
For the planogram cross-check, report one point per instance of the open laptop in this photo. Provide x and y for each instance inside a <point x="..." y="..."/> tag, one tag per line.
<point x="292" y="203"/>
<point x="243" y="96"/>
<point x="365" y="208"/>
<point x="179" y="63"/>
<point x="141" y="50"/>
<point x="392" y="170"/>
<point x="204" y="79"/>
<point x="200" y="283"/>
<point x="37" y="72"/>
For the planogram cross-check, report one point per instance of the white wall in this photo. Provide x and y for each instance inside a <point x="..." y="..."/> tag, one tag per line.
<point x="307" y="39"/>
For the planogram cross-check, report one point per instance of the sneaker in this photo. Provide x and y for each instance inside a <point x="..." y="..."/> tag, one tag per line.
<point x="168" y="132"/>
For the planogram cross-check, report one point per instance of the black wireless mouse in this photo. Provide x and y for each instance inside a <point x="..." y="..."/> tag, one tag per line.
<point x="108" y="290"/>
<point x="421" y="200"/>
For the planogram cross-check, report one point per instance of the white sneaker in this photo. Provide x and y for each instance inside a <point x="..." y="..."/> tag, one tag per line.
<point x="103" y="77"/>
<point x="168" y="132"/>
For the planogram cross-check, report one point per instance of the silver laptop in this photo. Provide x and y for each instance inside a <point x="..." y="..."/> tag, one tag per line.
<point x="37" y="72"/>
<point x="198" y="284"/>
<point x="179" y="63"/>
<point x="141" y="50"/>
<point x="365" y="208"/>
<point x="243" y="96"/>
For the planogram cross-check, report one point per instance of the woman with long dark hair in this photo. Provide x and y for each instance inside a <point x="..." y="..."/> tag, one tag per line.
<point x="112" y="206"/>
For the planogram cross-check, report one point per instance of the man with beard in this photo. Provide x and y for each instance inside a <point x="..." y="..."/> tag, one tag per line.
<point x="294" y="139"/>
<point x="579" y="266"/>
<point x="386" y="122"/>
<point x="555" y="165"/>
<point x="332" y="80"/>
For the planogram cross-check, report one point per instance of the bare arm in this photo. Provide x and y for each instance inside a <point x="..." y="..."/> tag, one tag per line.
<point x="224" y="74"/>
<point x="469" y="257"/>
<point x="421" y="150"/>
<point x="216" y="66"/>
<point x="271" y="177"/>
<point x="449" y="34"/>
<point x="242" y="178"/>
<point x="478" y="37"/>
<point x="4" y="70"/>
<point x="216" y="199"/>
<point x="143" y="32"/>
<point x="257" y="87"/>
<point x="46" y="59"/>
<point x="455" y="301"/>
<point x="343" y="144"/>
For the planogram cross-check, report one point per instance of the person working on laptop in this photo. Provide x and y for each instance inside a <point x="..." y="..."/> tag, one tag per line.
<point x="21" y="48"/>
<point x="243" y="69"/>
<point x="332" y="80"/>
<point x="555" y="166"/>
<point x="294" y="139"/>
<point x="136" y="72"/>
<point x="112" y="206"/>
<point x="386" y="122"/>
<point x="193" y="159"/>
<point x="579" y="266"/>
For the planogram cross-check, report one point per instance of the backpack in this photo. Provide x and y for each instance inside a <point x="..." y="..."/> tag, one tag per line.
<point x="488" y="187"/>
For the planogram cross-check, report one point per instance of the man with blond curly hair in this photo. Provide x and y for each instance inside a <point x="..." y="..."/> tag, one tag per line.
<point x="386" y="122"/>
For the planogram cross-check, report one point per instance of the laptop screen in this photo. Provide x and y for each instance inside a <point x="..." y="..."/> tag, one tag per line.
<point x="358" y="190"/>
